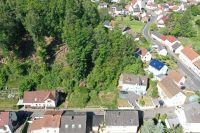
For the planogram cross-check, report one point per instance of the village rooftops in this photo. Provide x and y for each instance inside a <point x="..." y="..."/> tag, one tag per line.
<point x="192" y="112"/>
<point x="73" y="122"/>
<point x="97" y="120"/>
<point x="51" y="119"/>
<point x="171" y="39"/>
<point x="4" y="119"/>
<point x="175" y="75"/>
<point x="197" y="64"/>
<point x="142" y="51"/>
<point x="176" y="46"/>
<point x="133" y="79"/>
<point x="157" y="34"/>
<point x="190" y="53"/>
<point x="38" y="96"/>
<point x="169" y="87"/>
<point x="121" y="118"/>
<point x="157" y="64"/>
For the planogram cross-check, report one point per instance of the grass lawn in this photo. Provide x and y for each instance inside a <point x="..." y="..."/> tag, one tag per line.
<point x="135" y="25"/>
<point x="8" y="104"/>
<point x="123" y="103"/>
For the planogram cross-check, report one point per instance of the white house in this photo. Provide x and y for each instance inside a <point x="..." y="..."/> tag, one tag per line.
<point x="121" y="121"/>
<point x="171" y="40"/>
<point x="161" y="21"/>
<point x="8" y="122"/>
<point x="162" y="51"/>
<point x="189" y="117"/>
<point x="157" y="68"/>
<point x="158" y="37"/>
<point x="49" y="123"/>
<point x="176" y="48"/>
<point x="115" y="1"/>
<point x="133" y="83"/>
<point x="116" y="10"/>
<point x="103" y="5"/>
<point x="40" y="99"/>
<point x="144" y="54"/>
<point x="170" y="93"/>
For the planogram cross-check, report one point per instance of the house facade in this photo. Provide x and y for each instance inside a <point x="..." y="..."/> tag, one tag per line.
<point x="49" y="123"/>
<point x="170" y="93"/>
<point x="158" y="37"/>
<point x="144" y="54"/>
<point x="157" y="68"/>
<point x="121" y="121"/>
<point x="8" y="122"/>
<point x="40" y="99"/>
<point x="133" y="83"/>
<point x="189" y="117"/>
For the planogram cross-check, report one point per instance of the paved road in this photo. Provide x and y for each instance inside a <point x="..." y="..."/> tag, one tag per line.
<point x="192" y="77"/>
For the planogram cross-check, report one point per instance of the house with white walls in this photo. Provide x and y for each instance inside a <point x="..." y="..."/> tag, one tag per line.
<point x="170" y="93"/>
<point x="133" y="83"/>
<point x="8" y="121"/>
<point x="189" y="117"/>
<point x="162" y="51"/>
<point x="157" y="68"/>
<point x="144" y="54"/>
<point x="171" y="40"/>
<point x="48" y="123"/>
<point x="121" y="121"/>
<point x="40" y="99"/>
<point x="176" y="48"/>
<point x="158" y="37"/>
<point x="116" y="10"/>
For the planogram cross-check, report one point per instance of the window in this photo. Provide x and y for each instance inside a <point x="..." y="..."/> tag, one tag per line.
<point x="73" y="126"/>
<point x="79" y="126"/>
<point x="66" y="126"/>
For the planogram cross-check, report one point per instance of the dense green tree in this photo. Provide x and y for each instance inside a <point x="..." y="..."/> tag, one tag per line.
<point x="197" y="22"/>
<point x="26" y="85"/>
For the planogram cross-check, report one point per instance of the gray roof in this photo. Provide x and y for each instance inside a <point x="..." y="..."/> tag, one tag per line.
<point x="73" y="122"/>
<point x="157" y="34"/>
<point x="176" y="46"/>
<point x="133" y="79"/>
<point x="121" y="118"/>
<point x="192" y="112"/>
<point x="97" y="120"/>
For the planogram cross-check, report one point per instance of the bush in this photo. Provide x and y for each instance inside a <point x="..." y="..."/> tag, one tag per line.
<point x="197" y="22"/>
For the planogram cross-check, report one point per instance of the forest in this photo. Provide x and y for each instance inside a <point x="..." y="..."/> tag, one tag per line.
<point x="62" y="44"/>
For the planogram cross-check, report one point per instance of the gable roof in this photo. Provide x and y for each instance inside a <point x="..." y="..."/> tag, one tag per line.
<point x="38" y="96"/>
<point x="4" y="119"/>
<point x="157" y="34"/>
<point x="168" y="86"/>
<point x="75" y="122"/>
<point x="171" y="39"/>
<point x="142" y="51"/>
<point x="175" y="75"/>
<point x="157" y="64"/>
<point x="190" y="53"/>
<point x="192" y="112"/>
<point x="176" y="46"/>
<point x="133" y="79"/>
<point x="121" y="118"/>
<point x="51" y="119"/>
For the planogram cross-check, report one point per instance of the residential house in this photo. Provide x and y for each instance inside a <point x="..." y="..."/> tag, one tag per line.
<point x="162" y="51"/>
<point x="73" y="122"/>
<point x="124" y="28"/>
<point x="103" y="5"/>
<point x="8" y="122"/>
<point x="97" y="123"/>
<point x="134" y="83"/>
<point x="144" y="54"/>
<point x="115" y="1"/>
<point x="171" y="40"/>
<point x="151" y="6"/>
<point x="116" y="10"/>
<point x="161" y="22"/>
<point x="156" y="67"/>
<point x="176" y="48"/>
<point x="108" y="24"/>
<point x="177" y="77"/>
<point x="158" y="37"/>
<point x="170" y="93"/>
<point x="49" y="123"/>
<point x="40" y="99"/>
<point x="121" y="121"/>
<point x="189" y="117"/>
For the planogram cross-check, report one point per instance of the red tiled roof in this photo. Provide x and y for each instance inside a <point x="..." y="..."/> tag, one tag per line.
<point x="163" y="37"/>
<point x="190" y="53"/>
<point x="171" y="39"/>
<point x="38" y="96"/>
<point x="4" y="118"/>
<point x="175" y="75"/>
<point x="143" y="51"/>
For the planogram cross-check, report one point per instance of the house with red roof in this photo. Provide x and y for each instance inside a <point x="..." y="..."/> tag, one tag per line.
<point x="171" y="40"/>
<point x="40" y="99"/>
<point x="158" y="37"/>
<point x="8" y="122"/>
<point x="161" y="21"/>
<point x="144" y="54"/>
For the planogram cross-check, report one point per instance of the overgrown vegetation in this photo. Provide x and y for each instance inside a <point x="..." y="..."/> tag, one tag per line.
<point x="31" y="34"/>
